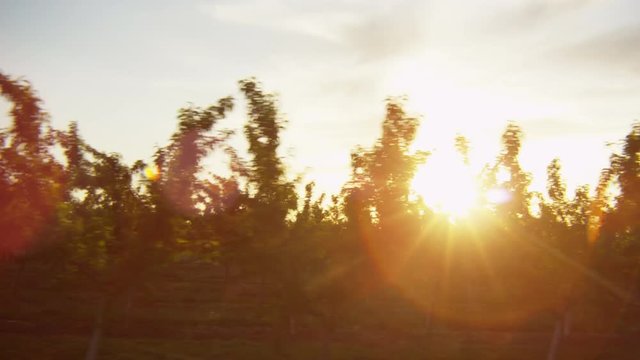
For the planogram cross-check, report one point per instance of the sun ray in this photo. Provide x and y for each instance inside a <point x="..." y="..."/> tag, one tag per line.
<point x="447" y="185"/>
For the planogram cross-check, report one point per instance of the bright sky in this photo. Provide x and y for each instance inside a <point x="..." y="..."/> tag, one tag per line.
<point x="568" y="71"/>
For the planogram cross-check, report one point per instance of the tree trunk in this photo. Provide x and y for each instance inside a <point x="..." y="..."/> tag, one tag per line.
<point x="226" y="271"/>
<point x="292" y="325"/>
<point x="555" y="340"/>
<point x="327" y="332"/>
<point x="567" y="318"/>
<point x="92" y="352"/>
<point x="128" y="306"/>
<point x="18" y="275"/>
<point x="280" y="337"/>
<point x="15" y="284"/>
<point x="428" y="318"/>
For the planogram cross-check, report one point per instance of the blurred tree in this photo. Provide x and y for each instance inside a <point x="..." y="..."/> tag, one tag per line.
<point x="462" y="145"/>
<point x="517" y="182"/>
<point x="370" y="256"/>
<point x="382" y="218"/>
<point x="557" y="192"/>
<point x="271" y="199"/>
<point x="30" y="177"/>
<point x="189" y="145"/>
<point x="619" y="237"/>
<point x="626" y="170"/>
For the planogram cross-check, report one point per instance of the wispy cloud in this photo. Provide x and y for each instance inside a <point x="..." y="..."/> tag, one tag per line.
<point x="371" y="33"/>
<point x="530" y="14"/>
<point x="615" y="50"/>
<point x="391" y="31"/>
<point x="318" y="21"/>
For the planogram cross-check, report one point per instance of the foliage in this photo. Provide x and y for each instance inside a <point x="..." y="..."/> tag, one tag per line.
<point x="373" y="257"/>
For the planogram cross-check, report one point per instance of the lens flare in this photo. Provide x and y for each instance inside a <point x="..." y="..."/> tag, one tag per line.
<point x="447" y="185"/>
<point x="498" y="196"/>
<point x="151" y="172"/>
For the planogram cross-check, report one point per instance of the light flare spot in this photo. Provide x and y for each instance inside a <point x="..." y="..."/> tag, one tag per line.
<point x="151" y="172"/>
<point x="498" y="196"/>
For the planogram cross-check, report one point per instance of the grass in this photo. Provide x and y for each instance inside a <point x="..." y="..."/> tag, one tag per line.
<point x="183" y="318"/>
<point x="499" y="346"/>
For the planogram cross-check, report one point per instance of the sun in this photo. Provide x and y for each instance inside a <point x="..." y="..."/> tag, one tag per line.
<point x="151" y="172"/>
<point x="447" y="185"/>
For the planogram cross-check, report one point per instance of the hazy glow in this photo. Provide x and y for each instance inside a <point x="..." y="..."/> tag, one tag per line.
<point x="497" y="196"/>
<point x="447" y="185"/>
<point x="566" y="70"/>
<point x="151" y="172"/>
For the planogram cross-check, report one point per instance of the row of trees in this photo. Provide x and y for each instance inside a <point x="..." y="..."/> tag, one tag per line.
<point x="89" y="219"/>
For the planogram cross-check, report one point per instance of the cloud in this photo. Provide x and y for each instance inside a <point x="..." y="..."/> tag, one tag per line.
<point x="549" y="127"/>
<point x="391" y="31"/>
<point x="532" y="13"/>
<point x="615" y="50"/>
<point x="370" y="31"/>
<point x="320" y="22"/>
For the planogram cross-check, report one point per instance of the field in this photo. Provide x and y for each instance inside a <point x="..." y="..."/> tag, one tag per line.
<point x="189" y="313"/>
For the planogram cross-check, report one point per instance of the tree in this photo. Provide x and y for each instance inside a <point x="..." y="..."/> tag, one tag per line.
<point x="557" y="192"/>
<point x="626" y="170"/>
<point x="391" y="167"/>
<point x="565" y="251"/>
<point x="383" y="221"/>
<point x="618" y="243"/>
<point x="518" y="180"/>
<point x="30" y="177"/>
<point x="462" y="145"/>
<point x="189" y="145"/>
<point x="271" y="198"/>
